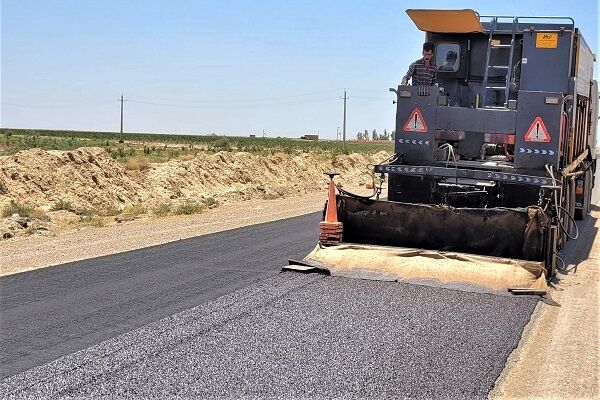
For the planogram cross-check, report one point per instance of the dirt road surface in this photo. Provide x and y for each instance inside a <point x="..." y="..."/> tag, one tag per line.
<point x="26" y="253"/>
<point x="559" y="352"/>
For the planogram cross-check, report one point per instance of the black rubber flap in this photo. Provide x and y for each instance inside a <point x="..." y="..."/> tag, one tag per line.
<point x="500" y="232"/>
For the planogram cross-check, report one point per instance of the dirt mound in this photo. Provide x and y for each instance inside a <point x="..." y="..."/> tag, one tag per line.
<point x="89" y="179"/>
<point x="238" y="176"/>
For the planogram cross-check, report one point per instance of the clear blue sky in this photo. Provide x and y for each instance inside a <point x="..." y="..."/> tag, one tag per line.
<point x="220" y="66"/>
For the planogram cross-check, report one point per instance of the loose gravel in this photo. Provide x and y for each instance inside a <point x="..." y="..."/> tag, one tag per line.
<point x="301" y="336"/>
<point x="559" y="352"/>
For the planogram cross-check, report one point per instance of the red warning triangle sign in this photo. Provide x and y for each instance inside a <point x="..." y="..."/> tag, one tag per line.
<point x="537" y="132"/>
<point x="416" y="122"/>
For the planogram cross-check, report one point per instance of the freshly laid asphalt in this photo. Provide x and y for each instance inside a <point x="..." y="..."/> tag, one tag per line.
<point x="301" y="336"/>
<point x="51" y="312"/>
<point x="211" y="317"/>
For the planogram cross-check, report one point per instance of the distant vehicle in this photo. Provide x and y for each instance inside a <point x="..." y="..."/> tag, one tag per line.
<point x="310" y="137"/>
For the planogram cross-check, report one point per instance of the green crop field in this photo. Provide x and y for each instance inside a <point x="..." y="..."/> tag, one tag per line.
<point x="162" y="147"/>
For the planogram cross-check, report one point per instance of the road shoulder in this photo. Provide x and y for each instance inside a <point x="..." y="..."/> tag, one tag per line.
<point x="27" y="253"/>
<point x="559" y="352"/>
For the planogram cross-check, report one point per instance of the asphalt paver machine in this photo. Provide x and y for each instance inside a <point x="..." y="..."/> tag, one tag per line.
<point x="492" y="166"/>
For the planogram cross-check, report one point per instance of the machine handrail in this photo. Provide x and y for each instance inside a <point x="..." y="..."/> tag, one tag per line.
<point x="516" y="18"/>
<point x="564" y="18"/>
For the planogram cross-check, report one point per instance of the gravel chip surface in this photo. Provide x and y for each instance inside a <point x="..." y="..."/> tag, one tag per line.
<point x="51" y="312"/>
<point x="301" y="336"/>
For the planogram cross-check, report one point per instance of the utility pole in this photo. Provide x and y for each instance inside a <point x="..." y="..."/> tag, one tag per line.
<point x="344" y="124"/>
<point x="337" y="134"/>
<point x="264" y="133"/>
<point x="121" y="135"/>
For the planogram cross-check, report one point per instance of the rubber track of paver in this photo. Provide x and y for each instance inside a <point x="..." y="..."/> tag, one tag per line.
<point x="301" y="336"/>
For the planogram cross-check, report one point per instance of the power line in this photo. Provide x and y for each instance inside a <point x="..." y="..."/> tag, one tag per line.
<point x="370" y="98"/>
<point x="199" y="103"/>
<point x="240" y="105"/>
<point x="281" y="101"/>
<point x="291" y="100"/>
<point x="77" y="104"/>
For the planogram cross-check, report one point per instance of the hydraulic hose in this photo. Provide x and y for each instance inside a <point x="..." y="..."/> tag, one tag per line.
<point x="563" y="266"/>
<point x="376" y="190"/>
<point x="558" y="208"/>
<point x="574" y="224"/>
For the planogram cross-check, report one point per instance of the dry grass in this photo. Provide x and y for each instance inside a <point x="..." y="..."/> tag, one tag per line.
<point x="137" y="164"/>
<point x="270" y="196"/>
<point x="189" y="208"/>
<point x="162" y="210"/>
<point x="135" y="210"/>
<point x="210" y="202"/>
<point x="92" y="220"/>
<point x="39" y="213"/>
<point x="186" y="157"/>
<point x="17" y="208"/>
<point x="62" y="204"/>
<point x="97" y="222"/>
<point x="163" y="147"/>
<point x="108" y="212"/>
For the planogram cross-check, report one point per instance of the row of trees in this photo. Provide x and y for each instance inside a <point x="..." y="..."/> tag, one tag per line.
<point x="365" y="136"/>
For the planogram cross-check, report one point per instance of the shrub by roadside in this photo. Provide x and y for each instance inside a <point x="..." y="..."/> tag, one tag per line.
<point x="162" y="209"/>
<point x="62" y="204"/>
<point x="16" y="208"/>
<point x="189" y="208"/>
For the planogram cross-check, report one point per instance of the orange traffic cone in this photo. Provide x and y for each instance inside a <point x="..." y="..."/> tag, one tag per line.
<point x="330" y="230"/>
<point x="331" y="211"/>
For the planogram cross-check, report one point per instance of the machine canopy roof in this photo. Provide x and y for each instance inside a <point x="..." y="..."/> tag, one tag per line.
<point x="446" y="21"/>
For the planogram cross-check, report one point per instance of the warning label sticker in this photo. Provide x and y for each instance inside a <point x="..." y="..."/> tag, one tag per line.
<point x="546" y="40"/>
<point x="416" y="122"/>
<point x="537" y="132"/>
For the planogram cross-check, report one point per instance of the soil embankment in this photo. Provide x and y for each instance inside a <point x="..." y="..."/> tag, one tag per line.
<point x="65" y="188"/>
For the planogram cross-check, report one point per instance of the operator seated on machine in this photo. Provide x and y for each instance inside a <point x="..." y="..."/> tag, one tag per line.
<point x="423" y="70"/>
<point x="450" y="63"/>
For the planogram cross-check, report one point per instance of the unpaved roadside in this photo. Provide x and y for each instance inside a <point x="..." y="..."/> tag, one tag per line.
<point x="26" y="253"/>
<point x="558" y="356"/>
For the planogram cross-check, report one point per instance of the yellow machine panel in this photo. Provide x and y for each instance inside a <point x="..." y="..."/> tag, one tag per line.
<point x="448" y="21"/>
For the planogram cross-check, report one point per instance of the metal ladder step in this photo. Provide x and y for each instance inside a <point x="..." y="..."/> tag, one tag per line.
<point x="493" y="44"/>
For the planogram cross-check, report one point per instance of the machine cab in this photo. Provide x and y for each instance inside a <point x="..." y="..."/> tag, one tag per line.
<point x="505" y="88"/>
